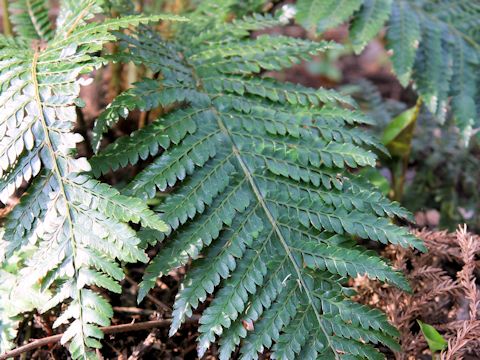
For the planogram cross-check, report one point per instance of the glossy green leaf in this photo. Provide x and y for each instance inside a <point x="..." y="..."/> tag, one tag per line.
<point x="398" y="133"/>
<point x="435" y="341"/>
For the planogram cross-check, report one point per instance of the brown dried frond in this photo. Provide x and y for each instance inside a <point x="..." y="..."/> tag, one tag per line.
<point x="442" y="297"/>
<point x="443" y="245"/>
<point x="469" y="247"/>
<point x="470" y="328"/>
<point x="459" y="344"/>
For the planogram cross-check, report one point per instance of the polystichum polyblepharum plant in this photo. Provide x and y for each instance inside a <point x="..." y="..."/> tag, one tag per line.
<point x="71" y="229"/>
<point x="263" y="199"/>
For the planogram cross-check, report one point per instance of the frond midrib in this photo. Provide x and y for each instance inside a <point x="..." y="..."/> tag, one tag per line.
<point x="59" y="176"/>
<point x="254" y="187"/>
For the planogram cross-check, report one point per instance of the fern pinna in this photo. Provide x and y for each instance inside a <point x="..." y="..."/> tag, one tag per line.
<point x="436" y="43"/>
<point x="72" y="228"/>
<point x="263" y="199"/>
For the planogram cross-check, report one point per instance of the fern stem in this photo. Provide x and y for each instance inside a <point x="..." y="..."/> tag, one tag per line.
<point x="7" y="25"/>
<point x="139" y="6"/>
<point x="78" y="19"/>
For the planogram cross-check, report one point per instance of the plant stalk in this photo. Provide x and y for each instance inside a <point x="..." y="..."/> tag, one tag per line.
<point x="399" y="171"/>
<point x="7" y="25"/>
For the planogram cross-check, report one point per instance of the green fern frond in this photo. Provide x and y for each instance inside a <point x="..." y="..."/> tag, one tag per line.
<point x="403" y="39"/>
<point x="75" y="13"/>
<point x="15" y="300"/>
<point x="263" y="200"/>
<point x="370" y="20"/>
<point x="30" y="19"/>
<point x="434" y="43"/>
<point x="325" y="14"/>
<point x="77" y="226"/>
<point x="148" y="93"/>
<point x="8" y="325"/>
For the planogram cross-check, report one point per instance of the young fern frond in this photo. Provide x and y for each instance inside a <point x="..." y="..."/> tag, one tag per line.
<point x="263" y="199"/>
<point x="77" y="226"/>
<point x="434" y="43"/>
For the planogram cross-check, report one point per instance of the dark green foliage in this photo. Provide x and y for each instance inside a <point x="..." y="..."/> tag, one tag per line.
<point x="263" y="200"/>
<point x="443" y="173"/>
<point x="450" y="186"/>
<point x="435" y="43"/>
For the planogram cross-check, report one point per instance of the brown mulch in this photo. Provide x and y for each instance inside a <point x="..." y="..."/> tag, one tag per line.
<point x="445" y="294"/>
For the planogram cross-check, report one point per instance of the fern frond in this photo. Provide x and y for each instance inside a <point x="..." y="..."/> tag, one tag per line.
<point x="75" y="14"/>
<point x="403" y="39"/>
<point x="433" y="68"/>
<point x="224" y="32"/>
<point x="463" y="85"/>
<point x="14" y="300"/>
<point x="434" y="43"/>
<point x="8" y="325"/>
<point x="322" y="15"/>
<point x="30" y="19"/>
<point x="77" y="226"/>
<point x="370" y="20"/>
<point x="263" y="200"/>
<point x="147" y="92"/>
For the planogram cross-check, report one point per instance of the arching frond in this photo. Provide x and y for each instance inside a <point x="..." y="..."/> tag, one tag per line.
<point x="263" y="199"/>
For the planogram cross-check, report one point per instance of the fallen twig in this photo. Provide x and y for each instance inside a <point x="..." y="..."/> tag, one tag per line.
<point x="113" y="329"/>
<point x="134" y="310"/>
<point x="157" y="302"/>
<point x="145" y="346"/>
